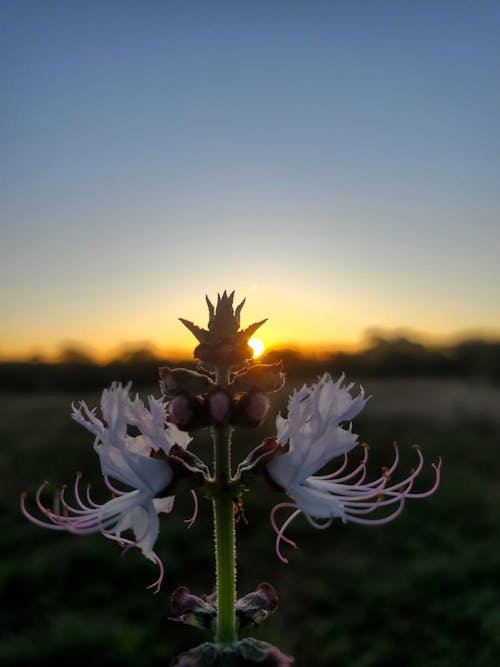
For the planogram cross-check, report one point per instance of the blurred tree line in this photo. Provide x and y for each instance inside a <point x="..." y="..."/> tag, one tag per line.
<point x="383" y="357"/>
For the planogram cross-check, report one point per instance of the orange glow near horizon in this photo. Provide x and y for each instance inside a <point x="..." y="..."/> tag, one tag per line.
<point x="308" y="320"/>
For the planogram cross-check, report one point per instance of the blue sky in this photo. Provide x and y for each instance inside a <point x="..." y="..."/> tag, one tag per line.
<point x="335" y="162"/>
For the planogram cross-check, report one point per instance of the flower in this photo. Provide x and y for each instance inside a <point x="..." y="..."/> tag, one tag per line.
<point x="223" y="344"/>
<point x="138" y="462"/>
<point x="308" y="439"/>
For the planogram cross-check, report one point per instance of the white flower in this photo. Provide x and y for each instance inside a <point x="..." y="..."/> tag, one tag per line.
<point x="129" y="460"/>
<point x="310" y="437"/>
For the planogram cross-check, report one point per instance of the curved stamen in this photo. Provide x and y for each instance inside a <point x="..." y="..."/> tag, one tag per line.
<point x="128" y="544"/>
<point x="378" y="522"/>
<point x="361" y="468"/>
<point x="113" y="488"/>
<point x="316" y="524"/>
<point x="426" y="494"/>
<point x="38" y="500"/>
<point x="387" y="472"/>
<point x="33" y="519"/>
<point x="339" y="470"/>
<point x="195" y="512"/>
<point x="396" y="459"/>
<point x="274" y="524"/>
<point x="89" y="499"/>
<point x="76" y="491"/>
<point x="394" y="489"/>
<point x="280" y="536"/>
<point x="353" y="508"/>
<point x="69" y="508"/>
<point x="156" y="585"/>
<point x="358" y="493"/>
<point x="382" y="501"/>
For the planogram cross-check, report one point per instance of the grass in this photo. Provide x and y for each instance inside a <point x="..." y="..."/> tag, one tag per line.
<point x="419" y="592"/>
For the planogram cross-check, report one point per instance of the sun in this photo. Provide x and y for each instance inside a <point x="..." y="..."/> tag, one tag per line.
<point x="257" y="346"/>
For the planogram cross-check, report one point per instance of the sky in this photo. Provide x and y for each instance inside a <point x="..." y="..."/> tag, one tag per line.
<point x="336" y="163"/>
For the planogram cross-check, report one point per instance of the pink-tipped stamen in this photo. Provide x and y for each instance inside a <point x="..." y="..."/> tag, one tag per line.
<point x="358" y="499"/>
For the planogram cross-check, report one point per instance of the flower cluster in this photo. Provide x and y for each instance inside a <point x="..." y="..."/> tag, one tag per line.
<point x="144" y="461"/>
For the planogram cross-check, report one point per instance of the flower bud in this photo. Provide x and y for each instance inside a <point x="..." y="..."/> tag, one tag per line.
<point x="251" y="408"/>
<point x="187" y="412"/>
<point x="220" y="403"/>
<point x="199" y="612"/>
<point x="257" y="606"/>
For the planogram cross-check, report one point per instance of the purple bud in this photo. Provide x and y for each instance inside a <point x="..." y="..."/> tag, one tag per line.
<point x="180" y="411"/>
<point x="187" y="412"/>
<point x="251" y="408"/>
<point x="193" y="610"/>
<point x="257" y="606"/>
<point x="220" y="404"/>
<point x="258" y="406"/>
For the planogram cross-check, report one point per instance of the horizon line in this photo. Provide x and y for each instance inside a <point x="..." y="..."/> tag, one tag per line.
<point x="77" y="351"/>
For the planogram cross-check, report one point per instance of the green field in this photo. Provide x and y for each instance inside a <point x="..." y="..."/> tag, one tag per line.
<point x="422" y="591"/>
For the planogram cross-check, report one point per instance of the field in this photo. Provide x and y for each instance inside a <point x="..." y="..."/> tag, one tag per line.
<point x="422" y="591"/>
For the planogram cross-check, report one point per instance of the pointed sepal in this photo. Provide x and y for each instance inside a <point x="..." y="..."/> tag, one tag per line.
<point x="256" y="461"/>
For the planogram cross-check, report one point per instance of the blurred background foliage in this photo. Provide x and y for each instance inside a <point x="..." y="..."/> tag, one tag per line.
<point x="421" y="591"/>
<point x="382" y="356"/>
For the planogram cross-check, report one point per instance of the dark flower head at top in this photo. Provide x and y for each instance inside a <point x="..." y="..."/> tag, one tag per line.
<point x="223" y="344"/>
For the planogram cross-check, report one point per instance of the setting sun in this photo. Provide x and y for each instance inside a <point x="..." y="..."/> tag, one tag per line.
<point x="257" y="346"/>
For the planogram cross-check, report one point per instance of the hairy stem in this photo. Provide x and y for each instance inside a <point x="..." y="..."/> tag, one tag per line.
<point x="225" y="537"/>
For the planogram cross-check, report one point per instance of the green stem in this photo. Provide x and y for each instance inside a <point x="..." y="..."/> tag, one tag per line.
<point x="225" y="536"/>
